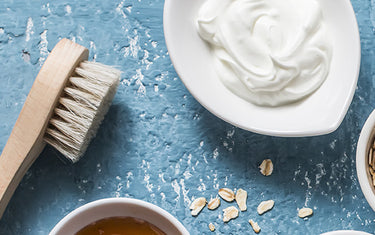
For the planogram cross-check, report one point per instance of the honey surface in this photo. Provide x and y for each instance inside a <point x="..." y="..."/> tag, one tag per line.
<point x="120" y="226"/>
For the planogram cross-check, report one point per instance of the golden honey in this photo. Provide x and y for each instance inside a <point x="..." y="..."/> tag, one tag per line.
<point x="120" y="226"/>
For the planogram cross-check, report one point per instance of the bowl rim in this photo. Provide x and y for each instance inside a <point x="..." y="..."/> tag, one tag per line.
<point x="366" y="136"/>
<point x="331" y="127"/>
<point x="106" y="202"/>
<point x="345" y="232"/>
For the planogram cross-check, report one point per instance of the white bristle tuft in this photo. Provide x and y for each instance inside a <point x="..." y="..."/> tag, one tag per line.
<point x="82" y="108"/>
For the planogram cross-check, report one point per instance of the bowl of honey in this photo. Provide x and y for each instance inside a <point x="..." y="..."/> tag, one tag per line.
<point x="119" y="216"/>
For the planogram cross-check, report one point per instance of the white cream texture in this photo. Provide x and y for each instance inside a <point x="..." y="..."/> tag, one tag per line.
<point x="269" y="52"/>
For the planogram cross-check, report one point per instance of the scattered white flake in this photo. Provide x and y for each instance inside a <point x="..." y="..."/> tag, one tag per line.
<point x="308" y="193"/>
<point x="128" y="176"/>
<point x="134" y="47"/>
<point x="187" y="174"/>
<point x="147" y="32"/>
<point x="147" y="180"/>
<point x="161" y="176"/>
<point x="1" y="30"/>
<point x="202" y="186"/>
<point x="129" y="9"/>
<point x="68" y="9"/>
<point x="154" y="44"/>
<point x="215" y="153"/>
<point x="177" y="169"/>
<point x="205" y="159"/>
<point x="201" y="143"/>
<point x="162" y="196"/>
<point x="46" y="7"/>
<point x="119" y="9"/>
<point x="164" y="115"/>
<point x="185" y="192"/>
<point x="119" y="187"/>
<point x="93" y="48"/>
<point x="333" y="144"/>
<point x="138" y="77"/>
<point x="43" y="51"/>
<point x="320" y="174"/>
<point x="189" y="159"/>
<point x="145" y="59"/>
<point x="29" y="29"/>
<point x="230" y="133"/>
<point x="118" y="178"/>
<point x="161" y="76"/>
<point x="176" y="188"/>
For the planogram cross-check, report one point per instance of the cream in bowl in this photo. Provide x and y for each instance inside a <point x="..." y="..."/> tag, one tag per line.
<point x="315" y="106"/>
<point x="268" y="52"/>
<point x="365" y="161"/>
<point x="119" y="216"/>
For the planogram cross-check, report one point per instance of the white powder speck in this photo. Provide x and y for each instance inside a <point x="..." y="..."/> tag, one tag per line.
<point x="230" y="133"/>
<point x="162" y="196"/>
<point x="145" y="59"/>
<point x="161" y="76"/>
<point x="29" y="29"/>
<point x="215" y="153"/>
<point x="156" y="88"/>
<point x="187" y="174"/>
<point x="176" y="188"/>
<point x="154" y="44"/>
<point x="68" y="9"/>
<point x="185" y="193"/>
<point x="161" y="176"/>
<point x="147" y="32"/>
<point x="138" y="77"/>
<point x="1" y="30"/>
<point x="333" y="144"/>
<point x="119" y="9"/>
<point x="189" y="159"/>
<point x="320" y="174"/>
<point x="205" y="159"/>
<point x="128" y="177"/>
<point x="202" y="186"/>
<point x="177" y="169"/>
<point x="147" y="180"/>
<point x="133" y="47"/>
<point x="43" y="51"/>
<point x="201" y="143"/>
<point x="118" y="178"/>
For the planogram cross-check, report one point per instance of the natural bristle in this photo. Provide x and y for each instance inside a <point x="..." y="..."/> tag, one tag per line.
<point x="82" y="108"/>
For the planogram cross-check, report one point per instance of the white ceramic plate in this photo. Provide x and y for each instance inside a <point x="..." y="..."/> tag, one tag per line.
<point x="318" y="114"/>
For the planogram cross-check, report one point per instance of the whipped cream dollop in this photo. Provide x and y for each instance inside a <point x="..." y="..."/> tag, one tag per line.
<point x="268" y="52"/>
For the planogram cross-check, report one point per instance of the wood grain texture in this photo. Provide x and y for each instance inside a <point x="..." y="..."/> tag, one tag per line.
<point x="26" y="140"/>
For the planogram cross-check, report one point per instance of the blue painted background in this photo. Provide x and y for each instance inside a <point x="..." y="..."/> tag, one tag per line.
<point x="158" y="144"/>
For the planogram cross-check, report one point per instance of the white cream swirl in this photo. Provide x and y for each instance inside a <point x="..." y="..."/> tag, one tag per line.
<point x="268" y="52"/>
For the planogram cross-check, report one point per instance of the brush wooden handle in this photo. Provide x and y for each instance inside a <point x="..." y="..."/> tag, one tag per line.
<point x="26" y="139"/>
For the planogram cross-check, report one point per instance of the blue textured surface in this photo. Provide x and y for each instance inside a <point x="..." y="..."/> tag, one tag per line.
<point x="158" y="144"/>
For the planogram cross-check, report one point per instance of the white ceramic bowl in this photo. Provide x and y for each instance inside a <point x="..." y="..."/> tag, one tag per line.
<point x="346" y="232"/>
<point x="365" y="140"/>
<point x="110" y="207"/>
<point x="320" y="113"/>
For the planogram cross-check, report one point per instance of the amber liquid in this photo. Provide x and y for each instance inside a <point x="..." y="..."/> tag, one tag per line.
<point x="120" y="226"/>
